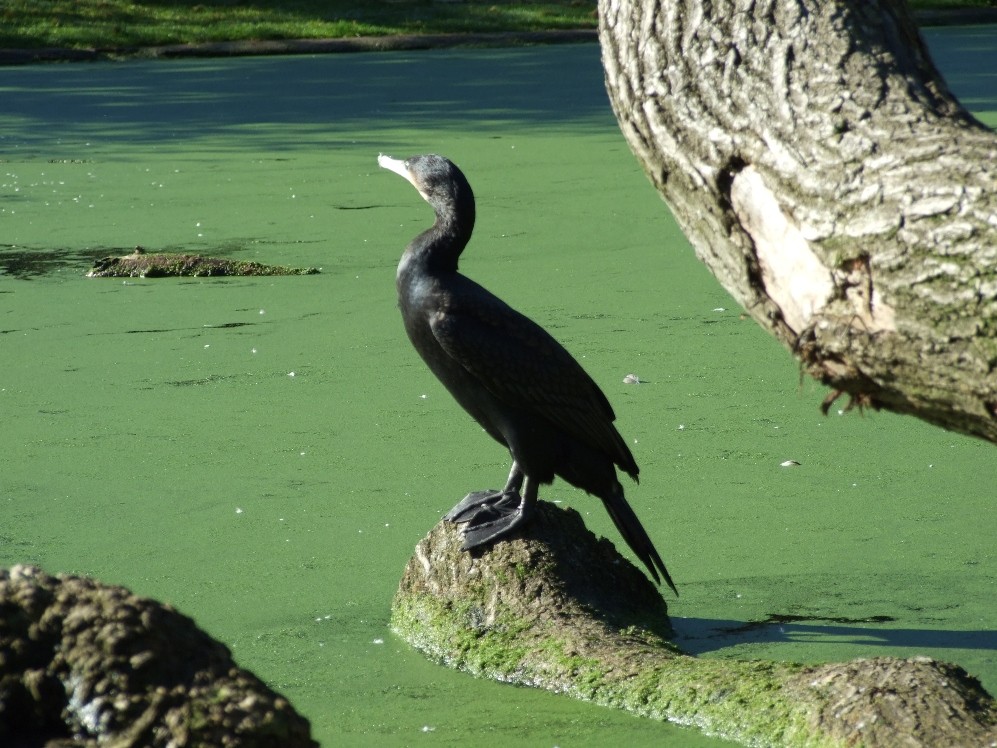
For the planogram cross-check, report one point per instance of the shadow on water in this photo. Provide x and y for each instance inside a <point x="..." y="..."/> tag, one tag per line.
<point x="965" y="64"/>
<point x="335" y="98"/>
<point x="25" y="264"/>
<point x="702" y="635"/>
<point x="155" y="101"/>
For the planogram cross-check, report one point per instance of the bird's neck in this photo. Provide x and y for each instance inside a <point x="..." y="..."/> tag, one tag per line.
<point x="437" y="250"/>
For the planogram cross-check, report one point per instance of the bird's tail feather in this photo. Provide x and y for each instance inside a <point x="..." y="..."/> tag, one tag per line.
<point x="633" y="532"/>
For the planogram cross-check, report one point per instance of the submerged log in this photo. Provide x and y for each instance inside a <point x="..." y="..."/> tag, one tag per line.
<point x="557" y="608"/>
<point x="87" y="664"/>
<point x="169" y="265"/>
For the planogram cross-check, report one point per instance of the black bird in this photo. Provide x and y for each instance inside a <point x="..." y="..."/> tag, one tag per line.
<point x="518" y="382"/>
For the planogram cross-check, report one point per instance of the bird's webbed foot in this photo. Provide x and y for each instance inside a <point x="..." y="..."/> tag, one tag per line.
<point x="480" y="503"/>
<point x="487" y="516"/>
<point x="486" y="509"/>
<point x="490" y="515"/>
<point x="491" y="503"/>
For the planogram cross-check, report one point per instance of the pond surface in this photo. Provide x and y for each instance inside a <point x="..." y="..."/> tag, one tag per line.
<point x="265" y="453"/>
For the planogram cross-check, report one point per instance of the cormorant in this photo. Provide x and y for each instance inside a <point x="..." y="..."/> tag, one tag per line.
<point x="519" y="383"/>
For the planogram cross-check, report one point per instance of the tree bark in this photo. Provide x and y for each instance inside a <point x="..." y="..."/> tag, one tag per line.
<point x="88" y="665"/>
<point x="813" y="155"/>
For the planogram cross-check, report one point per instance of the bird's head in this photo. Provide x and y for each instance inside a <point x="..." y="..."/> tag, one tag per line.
<point x="437" y="179"/>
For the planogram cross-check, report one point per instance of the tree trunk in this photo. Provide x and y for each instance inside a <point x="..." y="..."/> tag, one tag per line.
<point x="820" y="167"/>
<point x="85" y="664"/>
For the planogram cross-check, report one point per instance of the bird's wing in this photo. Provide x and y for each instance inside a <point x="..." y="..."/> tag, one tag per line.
<point x="523" y="365"/>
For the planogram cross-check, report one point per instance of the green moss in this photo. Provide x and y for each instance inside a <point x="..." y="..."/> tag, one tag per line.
<point x="459" y="637"/>
<point x="532" y="632"/>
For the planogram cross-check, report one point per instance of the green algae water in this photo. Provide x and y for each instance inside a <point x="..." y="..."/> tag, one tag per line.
<point x="264" y="453"/>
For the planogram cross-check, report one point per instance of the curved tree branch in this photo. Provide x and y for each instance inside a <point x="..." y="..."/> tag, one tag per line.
<point x="820" y="167"/>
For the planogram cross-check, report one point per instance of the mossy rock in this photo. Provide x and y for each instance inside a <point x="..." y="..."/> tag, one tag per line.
<point x="557" y="608"/>
<point x="87" y="664"/>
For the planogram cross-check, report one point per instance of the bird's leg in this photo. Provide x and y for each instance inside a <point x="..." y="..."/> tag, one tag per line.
<point x="499" y="519"/>
<point x="478" y="501"/>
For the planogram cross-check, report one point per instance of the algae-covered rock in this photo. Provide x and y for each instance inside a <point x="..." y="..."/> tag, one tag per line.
<point x="559" y="609"/>
<point x="141" y="264"/>
<point x="87" y="664"/>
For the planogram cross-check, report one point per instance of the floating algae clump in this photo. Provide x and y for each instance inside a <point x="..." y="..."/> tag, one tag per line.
<point x="168" y="265"/>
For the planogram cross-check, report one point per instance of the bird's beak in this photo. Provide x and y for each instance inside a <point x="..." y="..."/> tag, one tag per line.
<point x="399" y="168"/>
<point x="393" y="164"/>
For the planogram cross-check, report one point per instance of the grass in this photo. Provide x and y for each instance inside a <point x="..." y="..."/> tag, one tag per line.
<point x="110" y="24"/>
<point x="122" y="23"/>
